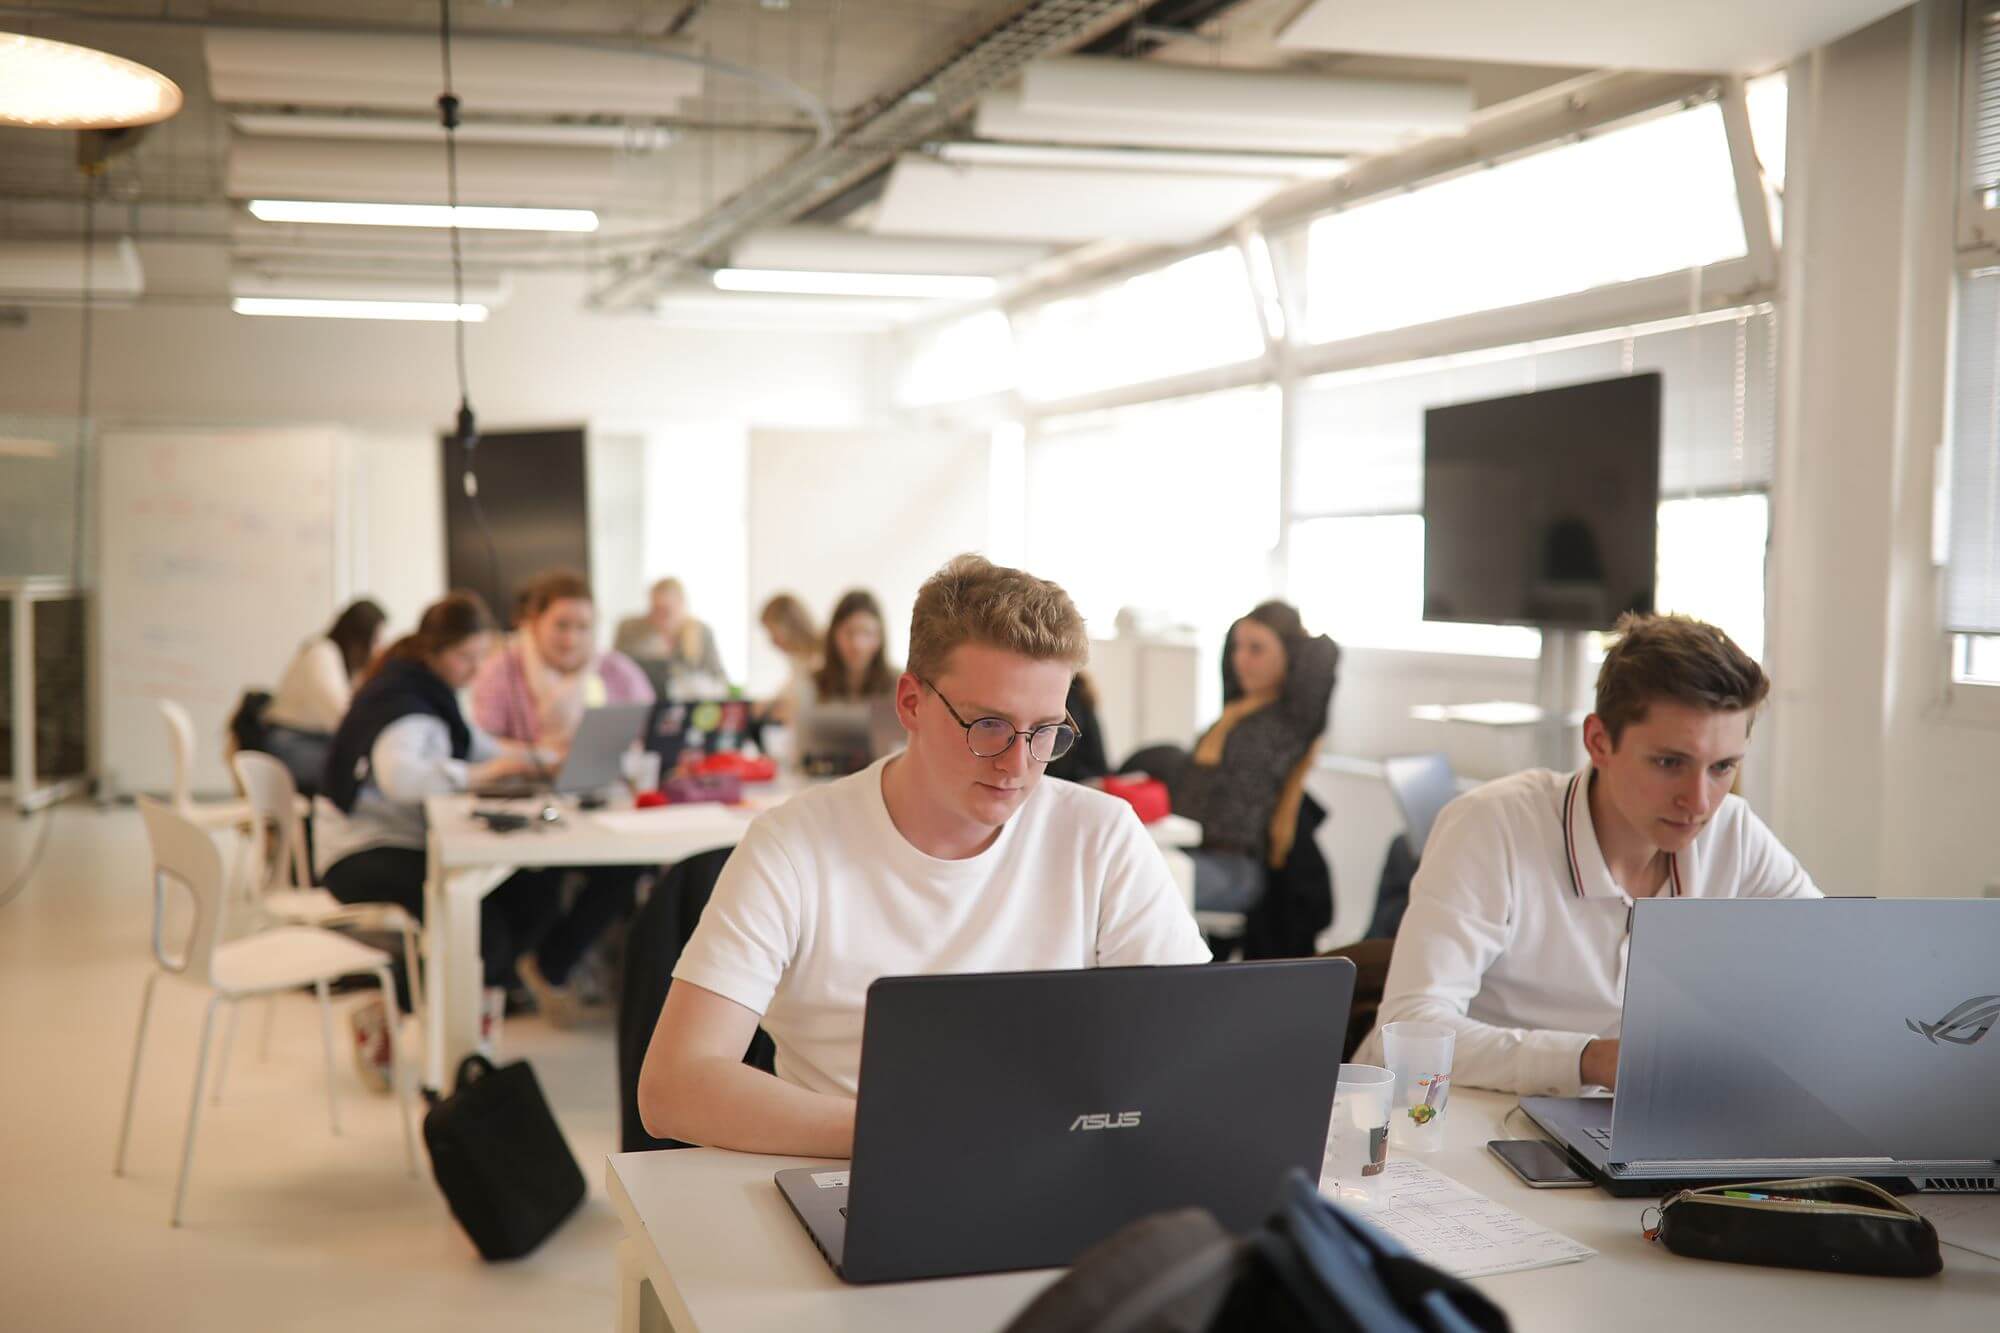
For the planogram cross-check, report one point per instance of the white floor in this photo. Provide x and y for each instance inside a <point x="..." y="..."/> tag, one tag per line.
<point x="287" y="1226"/>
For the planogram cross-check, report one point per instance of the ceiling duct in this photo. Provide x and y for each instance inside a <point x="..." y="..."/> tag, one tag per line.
<point x="621" y="137"/>
<point x="412" y="173"/>
<point x="921" y="112"/>
<point x="51" y="272"/>
<point x="374" y="70"/>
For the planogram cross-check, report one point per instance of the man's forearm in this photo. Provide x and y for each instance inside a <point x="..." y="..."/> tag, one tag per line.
<point x="727" y="1104"/>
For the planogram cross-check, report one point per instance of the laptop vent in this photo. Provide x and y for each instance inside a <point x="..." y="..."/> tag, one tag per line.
<point x="1960" y="1184"/>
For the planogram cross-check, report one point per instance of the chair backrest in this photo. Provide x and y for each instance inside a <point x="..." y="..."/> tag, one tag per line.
<point x="180" y="744"/>
<point x="1422" y="785"/>
<point x="274" y="804"/>
<point x="184" y="854"/>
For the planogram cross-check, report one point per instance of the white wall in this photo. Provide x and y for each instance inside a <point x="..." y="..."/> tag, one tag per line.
<point x="697" y="480"/>
<point x="876" y="509"/>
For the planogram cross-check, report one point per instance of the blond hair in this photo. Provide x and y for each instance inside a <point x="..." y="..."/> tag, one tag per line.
<point x="973" y="600"/>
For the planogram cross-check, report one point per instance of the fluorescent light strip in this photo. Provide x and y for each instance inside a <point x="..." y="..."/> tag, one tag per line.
<point x="443" y="312"/>
<point x="470" y="217"/>
<point x="806" y="282"/>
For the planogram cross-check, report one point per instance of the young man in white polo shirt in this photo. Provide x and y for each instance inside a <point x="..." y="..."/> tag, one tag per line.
<point x="953" y="856"/>
<point x="1516" y="934"/>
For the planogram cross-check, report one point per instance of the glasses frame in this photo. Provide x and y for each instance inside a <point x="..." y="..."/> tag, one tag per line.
<point x="1076" y="732"/>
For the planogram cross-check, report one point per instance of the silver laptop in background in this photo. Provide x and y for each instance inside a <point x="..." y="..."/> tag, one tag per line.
<point x="1766" y="1038"/>
<point x="592" y="763"/>
<point x="846" y="735"/>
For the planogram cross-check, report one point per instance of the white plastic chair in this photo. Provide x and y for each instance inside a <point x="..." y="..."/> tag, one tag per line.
<point x="274" y="803"/>
<point x="180" y="745"/>
<point x="275" y="960"/>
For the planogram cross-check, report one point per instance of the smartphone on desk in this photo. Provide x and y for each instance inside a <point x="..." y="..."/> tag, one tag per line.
<point x="1539" y="1164"/>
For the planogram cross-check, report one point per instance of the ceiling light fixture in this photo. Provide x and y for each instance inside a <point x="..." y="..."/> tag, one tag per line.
<point x="442" y="312"/>
<point x="806" y="282"/>
<point x="1189" y="161"/>
<point x="56" y="86"/>
<point x="466" y="217"/>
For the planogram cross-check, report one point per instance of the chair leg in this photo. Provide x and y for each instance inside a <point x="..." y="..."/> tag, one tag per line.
<point x="194" y="1107"/>
<point x="412" y="956"/>
<point x="132" y="1085"/>
<point x="270" y="1012"/>
<point x="399" y="1078"/>
<point x="222" y="1065"/>
<point x="326" y="1049"/>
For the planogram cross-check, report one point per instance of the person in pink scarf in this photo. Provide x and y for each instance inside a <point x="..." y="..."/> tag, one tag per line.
<point x="535" y="690"/>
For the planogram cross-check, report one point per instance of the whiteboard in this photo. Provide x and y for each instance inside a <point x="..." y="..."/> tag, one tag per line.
<point x="219" y="551"/>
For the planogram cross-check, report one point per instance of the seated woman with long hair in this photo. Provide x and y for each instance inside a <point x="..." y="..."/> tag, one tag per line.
<point x="855" y="662"/>
<point x="313" y="694"/>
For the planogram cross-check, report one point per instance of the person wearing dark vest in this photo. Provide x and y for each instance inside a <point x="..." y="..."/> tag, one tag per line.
<point x="404" y="739"/>
<point x="1247" y="776"/>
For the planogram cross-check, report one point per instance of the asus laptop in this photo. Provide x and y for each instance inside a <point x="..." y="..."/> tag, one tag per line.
<point x="1010" y="1120"/>
<point x="592" y="763"/>
<point x="1764" y="1039"/>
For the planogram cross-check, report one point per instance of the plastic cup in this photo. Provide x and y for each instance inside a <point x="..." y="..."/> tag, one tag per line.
<point x="1419" y="1054"/>
<point x="641" y="769"/>
<point x="1357" y="1141"/>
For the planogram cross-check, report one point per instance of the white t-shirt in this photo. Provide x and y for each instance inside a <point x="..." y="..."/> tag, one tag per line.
<point x="1516" y="934"/>
<point x="823" y="896"/>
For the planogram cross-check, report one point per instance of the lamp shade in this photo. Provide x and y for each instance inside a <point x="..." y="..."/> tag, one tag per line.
<point x="56" y="86"/>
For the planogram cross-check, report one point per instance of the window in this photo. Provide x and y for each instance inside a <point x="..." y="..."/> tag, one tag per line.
<point x="1972" y="545"/>
<point x="1172" y="506"/>
<point x="1712" y="564"/>
<point x="1188" y="316"/>
<point x="1652" y="198"/>
<point x="971" y="357"/>
<point x="1361" y="580"/>
<point x="1977" y="660"/>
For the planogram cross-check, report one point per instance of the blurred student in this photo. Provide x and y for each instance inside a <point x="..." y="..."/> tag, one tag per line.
<point x="1247" y="775"/>
<point x="668" y="634"/>
<point x="856" y="663"/>
<point x="795" y="635"/>
<point x="313" y="694"/>
<point x="404" y="739"/>
<point x="538" y="686"/>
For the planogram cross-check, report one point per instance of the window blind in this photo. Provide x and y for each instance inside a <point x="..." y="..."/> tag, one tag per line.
<point x="1972" y="569"/>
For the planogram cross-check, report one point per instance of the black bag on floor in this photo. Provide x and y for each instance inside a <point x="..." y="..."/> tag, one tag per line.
<point x="500" y="1160"/>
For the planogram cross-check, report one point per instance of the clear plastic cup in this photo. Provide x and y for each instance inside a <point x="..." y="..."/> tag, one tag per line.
<point x="1419" y="1054"/>
<point x="641" y="769"/>
<point x="1357" y="1141"/>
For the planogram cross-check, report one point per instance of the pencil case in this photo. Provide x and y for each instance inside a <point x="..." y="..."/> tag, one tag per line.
<point x="1831" y="1223"/>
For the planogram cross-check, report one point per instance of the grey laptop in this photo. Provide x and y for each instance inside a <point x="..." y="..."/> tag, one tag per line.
<point x="846" y="735"/>
<point x="1010" y="1120"/>
<point x="1762" y="1038"/>
<point x="592" y="764"/>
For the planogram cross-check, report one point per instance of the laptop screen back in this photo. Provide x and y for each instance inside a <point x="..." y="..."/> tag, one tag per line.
<point x="1826" y="1028"/>
<point x="1010" y="1120"/>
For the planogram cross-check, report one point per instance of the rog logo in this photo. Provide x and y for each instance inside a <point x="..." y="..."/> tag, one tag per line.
<point x="1963" y="1025"/>
<point x="1105" y="1120"/>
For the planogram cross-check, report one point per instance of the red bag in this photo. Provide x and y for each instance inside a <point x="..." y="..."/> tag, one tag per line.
<point x="730" y="764"/>
<point x="1147" y="796"/>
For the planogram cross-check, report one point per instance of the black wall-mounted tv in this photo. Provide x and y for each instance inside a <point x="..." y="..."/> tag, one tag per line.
<point x="1543" y="508"/>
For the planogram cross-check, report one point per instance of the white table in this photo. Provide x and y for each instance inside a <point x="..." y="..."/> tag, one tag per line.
<point x="710" y="1243"/>
<point x="467" y="861"/>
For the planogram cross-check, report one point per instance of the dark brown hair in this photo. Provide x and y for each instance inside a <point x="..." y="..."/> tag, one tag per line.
<point x="831" y="678"/>
<point x="785" y="617"/>
<point x="354" y="631"/>
<point x="1678" y="658"/>
<point x="551" y="586"/>
<point x="452" y="619"/>
<point x="1283" y="620"/>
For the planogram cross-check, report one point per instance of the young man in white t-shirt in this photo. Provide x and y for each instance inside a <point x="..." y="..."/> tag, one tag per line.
<point x="953" y="856"/>
<point x="1517" y="930"/>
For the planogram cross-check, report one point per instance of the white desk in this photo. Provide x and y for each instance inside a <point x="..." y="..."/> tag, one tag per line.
<point x="709" y="1235"/>
<point x="467" y="861"/>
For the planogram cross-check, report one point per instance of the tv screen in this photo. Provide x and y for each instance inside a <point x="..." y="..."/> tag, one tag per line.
<point x="1541" y="508"/>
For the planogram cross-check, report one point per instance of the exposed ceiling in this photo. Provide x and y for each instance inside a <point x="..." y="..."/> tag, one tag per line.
<point x="696" y="127"/>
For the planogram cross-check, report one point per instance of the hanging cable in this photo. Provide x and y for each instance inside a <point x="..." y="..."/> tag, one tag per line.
<point x="467" y="431"/>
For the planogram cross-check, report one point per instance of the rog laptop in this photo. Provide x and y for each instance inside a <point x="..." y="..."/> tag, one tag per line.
<point x="1011" y="1120"/>
<point x="1766" y="1038"/>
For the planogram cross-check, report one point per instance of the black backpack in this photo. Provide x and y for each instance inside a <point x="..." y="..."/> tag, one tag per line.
<point x="1311" y="1267"/>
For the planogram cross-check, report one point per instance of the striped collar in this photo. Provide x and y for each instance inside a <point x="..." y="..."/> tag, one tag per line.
<point x="1589" y="876"/>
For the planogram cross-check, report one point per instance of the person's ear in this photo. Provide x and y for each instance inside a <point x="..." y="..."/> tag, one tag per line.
<point x="909" y="693"/>
<point x="1597" y="740"/>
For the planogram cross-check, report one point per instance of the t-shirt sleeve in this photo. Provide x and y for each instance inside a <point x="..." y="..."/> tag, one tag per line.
<point x="1458" y="924"/>
<point x="749" y="932"/>
<point x="1141" y="917"/>
<point x="1769" y="870"/>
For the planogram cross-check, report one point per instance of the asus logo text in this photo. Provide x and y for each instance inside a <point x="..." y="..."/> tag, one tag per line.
<point x="1105" y="1120"/>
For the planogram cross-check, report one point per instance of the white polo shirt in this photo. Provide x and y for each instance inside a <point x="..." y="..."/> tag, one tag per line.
<point x="1516" y="934"/>
<point x="824" y="895"/>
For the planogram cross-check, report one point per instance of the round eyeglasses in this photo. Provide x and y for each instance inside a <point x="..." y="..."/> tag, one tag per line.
<point x="990" y="737"/>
